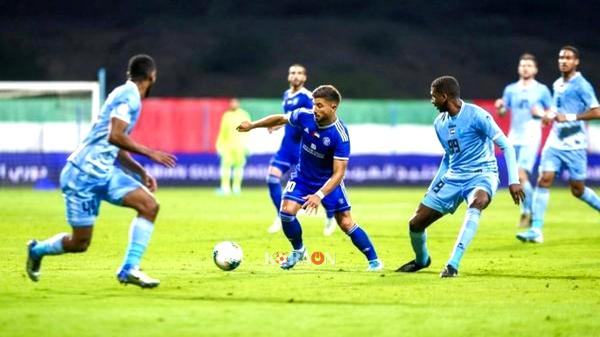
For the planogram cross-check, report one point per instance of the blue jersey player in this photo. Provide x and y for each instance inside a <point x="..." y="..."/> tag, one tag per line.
<point x="468" y="171"/>
<point x="318" y="178"/>
<point x="286" y="158"/>
<point x="527" y="100"/>
<point x="574" y="101"/>
<point x="90" y="176"/>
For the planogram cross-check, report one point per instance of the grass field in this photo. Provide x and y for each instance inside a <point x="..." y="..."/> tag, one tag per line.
<point x="506" y="288"/>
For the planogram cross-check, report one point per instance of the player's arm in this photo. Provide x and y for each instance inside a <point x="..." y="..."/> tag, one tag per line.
<point x="510" y="156"/>
<point x="313" y="200"/>
<point x="588" y="97"/>
<point x="266" y="122"/>
<point x="132" y="165"/>
<point x="543" y="109"/>
<point x="441" y="171"/>
<point x="586" y="116"/>
<point x="119" y="137"/>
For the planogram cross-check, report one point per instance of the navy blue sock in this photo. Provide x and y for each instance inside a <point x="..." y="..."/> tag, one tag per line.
<point x="361" y="240"/>
<point x="292" y="229"/>
<point x="274" y="184"/>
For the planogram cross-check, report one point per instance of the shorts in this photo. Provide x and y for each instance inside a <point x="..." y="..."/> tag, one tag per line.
<point x="555" y="160"/>
<point x="285" y="159"/>
<point x="334" y="202"/>
<point x="526" y="156"/>
<point x="449" y="193"/>
<point x="83" y="193"/>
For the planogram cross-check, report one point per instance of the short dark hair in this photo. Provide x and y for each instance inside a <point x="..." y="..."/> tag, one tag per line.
<point x="140" y="67"/>
<point x="528" y="57"/>
<point x="571" y="48"/>
<point x="446" y="85"/>
<point x="299" y="65"/>
<point x="328" y="92"/>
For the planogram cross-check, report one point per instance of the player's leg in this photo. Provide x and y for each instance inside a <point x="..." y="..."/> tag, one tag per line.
<point x="577" y="166"/>
<point x="526" y="156"/>
<point x="124" y="190"/>
<point x="292" y="229"/>
<point x="277" y="168"/>
<point x="479" y="196"/>
<point x="82" y="208"/>
<point x="239" y="161"/>
<point x="225" y="171"/>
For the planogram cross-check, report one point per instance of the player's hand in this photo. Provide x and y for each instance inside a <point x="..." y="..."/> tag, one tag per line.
<point x="163" y="158"/>
<point x="245" y="126"/>
<point x="149" y="181"/>
<point x="517" y="193"/>
<point x="311" y="204"/>
<point x="560" y="118"/>
<point x="274" y="128"/>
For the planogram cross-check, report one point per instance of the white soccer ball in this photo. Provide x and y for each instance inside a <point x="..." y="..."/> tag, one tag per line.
<point x="227" y="255"/>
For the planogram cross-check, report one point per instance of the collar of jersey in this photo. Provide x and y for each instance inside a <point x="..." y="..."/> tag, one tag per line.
<point x="130" y="83"/>
<point x="577" y="74"/>
<point x="290" y="95"/>
<point x="462" y="106"/>
<point x="328" y="126"/>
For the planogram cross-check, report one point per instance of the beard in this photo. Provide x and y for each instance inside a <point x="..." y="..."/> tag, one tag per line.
<point x="148" y="90"/>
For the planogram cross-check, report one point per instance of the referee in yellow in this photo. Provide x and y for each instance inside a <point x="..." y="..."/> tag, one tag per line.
<point x="231" y="147"/>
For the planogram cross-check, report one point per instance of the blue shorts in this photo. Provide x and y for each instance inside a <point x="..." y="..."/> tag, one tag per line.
<point x="526" y="156"/>
<point x="449" y="193"/>
<point x="575" y="161"/>
<point x="285" y="159"/>
<point x="83" y="193"/>
<point x="335" y="202"/>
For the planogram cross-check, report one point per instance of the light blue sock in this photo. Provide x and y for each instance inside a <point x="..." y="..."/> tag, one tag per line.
<point x="361" y="240"/>
<point x="526" y="204"/>
<point x="50" y="246"/>
<point x="139" y="235"/>
<point x="541" y="196"/>
<point x="591" y="198"/>
<point x="418" y="240"/>
<point x="467" y="232"/>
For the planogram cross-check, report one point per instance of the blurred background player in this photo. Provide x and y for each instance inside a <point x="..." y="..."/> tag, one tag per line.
<point x="90" y="176"/>
<point x="232" y="148"/>
<point x="318" y="178"/>
<point x="567" y="143"/>
<point x="286" y="158"/>
<point x="527" y="100"/>
<point x="468" y="172"/>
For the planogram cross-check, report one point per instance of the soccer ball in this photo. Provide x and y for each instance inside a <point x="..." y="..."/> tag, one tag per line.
<point x="227" y="255"/>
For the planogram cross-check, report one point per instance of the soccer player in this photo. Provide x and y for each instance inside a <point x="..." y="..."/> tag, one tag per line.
<point x="527" y="100"/>
<point x="468" y="171"/>
<point x="90" y="176"/>
<point x="566" y="145"/>
<point x="286" y="158"/>
<point x="325" y="150"/>
<point x="231" y="146"/>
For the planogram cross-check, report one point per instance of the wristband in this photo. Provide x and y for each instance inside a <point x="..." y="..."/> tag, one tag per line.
<point x="571" y="117"/>
<point x="320" y="194"/>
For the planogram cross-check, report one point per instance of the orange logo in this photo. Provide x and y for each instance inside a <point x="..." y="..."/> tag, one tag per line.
<point x="317" y="258"/>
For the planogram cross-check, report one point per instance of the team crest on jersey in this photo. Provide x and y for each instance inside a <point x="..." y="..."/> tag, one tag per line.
<point x="452" y="130"/>
<point x="326" y="141"/>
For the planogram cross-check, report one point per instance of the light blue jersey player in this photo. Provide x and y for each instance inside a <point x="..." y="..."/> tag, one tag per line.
<point x="286" y="158"/>
<point x="91" y="176"/>
<point x="527" y="100"/>
<point x="468" y="172"/>
<point x="318" y="178"/>
<point x="566" y="146"/>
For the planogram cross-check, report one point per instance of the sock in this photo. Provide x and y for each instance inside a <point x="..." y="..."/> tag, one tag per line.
<point x="418" y="240"/>
<point x="467" y="232"/>
<point x="139" y="236"/>
<point x="292" y="229"/>
<point x="591" y="198"/>
<point x="50" y="246"/>
<point x="541" y="195"/>
<point x="274" y="184"/>
<point x="238" y="176"/>
<point x="526" y="204"/>
<point x="225" y="178"/>
<point x="361" y="240"/>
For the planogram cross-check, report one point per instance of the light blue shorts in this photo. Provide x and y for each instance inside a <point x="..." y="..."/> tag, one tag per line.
<point x="575" y="161"/>
<point x="526" y="156"/>
<point x="83" y="193"/>
<point x="449" y="193"/>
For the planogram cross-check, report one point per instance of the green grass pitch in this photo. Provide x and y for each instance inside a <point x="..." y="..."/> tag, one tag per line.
<point x="505" y="288"/>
